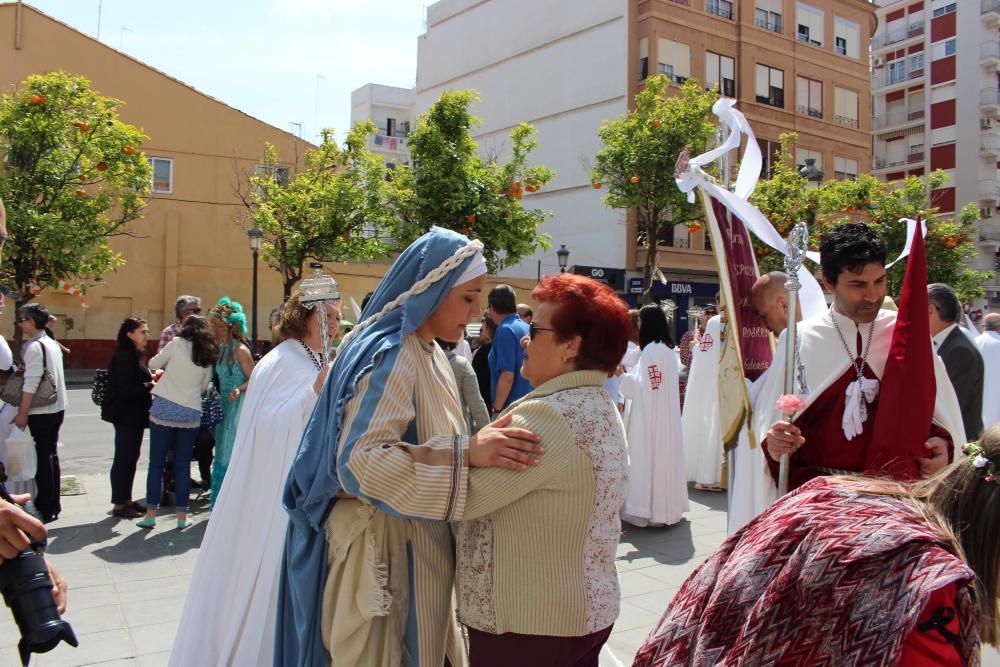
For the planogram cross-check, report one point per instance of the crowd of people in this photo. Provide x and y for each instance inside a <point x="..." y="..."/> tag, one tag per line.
<point x="420" y="498"/>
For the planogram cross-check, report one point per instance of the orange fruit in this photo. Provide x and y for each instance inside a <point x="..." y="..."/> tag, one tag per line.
<point x="634" y="179"/>
<point x="470" y="218"/>
<point x="597" y="185"/>
<point x="102" y="167"/>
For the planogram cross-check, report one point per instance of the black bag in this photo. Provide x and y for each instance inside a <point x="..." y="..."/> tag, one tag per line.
<point x="99" y="392"/>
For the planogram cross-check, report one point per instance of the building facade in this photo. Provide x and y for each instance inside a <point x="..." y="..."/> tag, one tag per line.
<point x="935" y="96"/>
<point x="391" y="109"/>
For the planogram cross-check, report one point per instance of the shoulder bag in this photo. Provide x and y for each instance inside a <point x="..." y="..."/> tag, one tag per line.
<point x="46" y="394"/>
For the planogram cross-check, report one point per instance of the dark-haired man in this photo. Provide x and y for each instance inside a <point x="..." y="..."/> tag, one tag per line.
<point x="959" y="354"/>
<point x="506" y="356"/>
<point x="844" y="353"/>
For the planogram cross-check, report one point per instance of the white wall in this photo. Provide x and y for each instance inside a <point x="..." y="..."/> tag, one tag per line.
<point x="562" y="71"/>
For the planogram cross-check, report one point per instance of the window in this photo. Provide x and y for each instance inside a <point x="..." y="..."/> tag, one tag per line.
<point x="675" y="60"/>
<point x="941" y="11"/>
<point x="390" y="127"/>
<point x="915" y="105"/>
<point x="770" y="86"/>
<point x="643" y="59"/>
<point x="767" y="15"/>
<point x="406" y="128"/>
<point x="163" y="175"/>
<point x="722" y="8"/>
<point x="897" y="71"/>
<point x="809" y="96"/>
<point x="770" y="154"/>
<point x="845" y="103"/>
<point x="846" y="37"/>
<point x="916" y="65"/>
<point x="943" y="49"/>
<point x="720" y="70"/>
<point x="281" y="175"/>
<point x="845" y="169"/>
<point x="810" y="24"/>
<point x="803" y="154"/>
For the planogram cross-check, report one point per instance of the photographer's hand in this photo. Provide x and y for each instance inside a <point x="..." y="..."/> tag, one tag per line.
<point x="59" y="588"/>
<point x="17" y="528"/>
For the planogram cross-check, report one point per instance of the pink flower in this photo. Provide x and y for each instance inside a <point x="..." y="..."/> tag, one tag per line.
<point x="789" y="404"/>
<point x="990" y="478"/>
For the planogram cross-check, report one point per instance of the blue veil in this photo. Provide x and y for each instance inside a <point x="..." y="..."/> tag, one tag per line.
<point x="312" y="483"/>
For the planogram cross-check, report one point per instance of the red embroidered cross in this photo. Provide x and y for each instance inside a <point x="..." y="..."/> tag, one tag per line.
<point x="655" y="377"/>
<point x="706" y="342"/>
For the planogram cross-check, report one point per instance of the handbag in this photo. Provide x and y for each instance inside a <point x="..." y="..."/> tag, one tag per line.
<point x="211" y="409"/>
<point x="46" y="394"/>
<point x="99" y="392"/>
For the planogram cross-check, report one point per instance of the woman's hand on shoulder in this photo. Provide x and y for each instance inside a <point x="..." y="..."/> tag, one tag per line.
<point x="501" y="445"/>
<point x="321" y="379"/>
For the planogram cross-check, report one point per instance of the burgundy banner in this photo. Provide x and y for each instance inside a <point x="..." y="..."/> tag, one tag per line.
<point x="755" y="344"/>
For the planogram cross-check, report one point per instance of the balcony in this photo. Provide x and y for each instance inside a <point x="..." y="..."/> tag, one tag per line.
<point x="989" y="101"/>
<point x="383" y="142"/>
<point x="989" y="235"/>
<point x="720" y="8"/>
<point x="915" y="154"/>
<point x="846" y="120"/>
<point x="803" y="109"/>
<point x="768" y="24"/>
<point x="885" y="162"/>
<point x="989" y="146"/>
<point x="897" y="117"/>
<point x="989" y="192"/>
<point x="898" y="35"/>
<point x="989" y="55"/>
<point x="989" y="11"/>
<point x="891" y="77"/>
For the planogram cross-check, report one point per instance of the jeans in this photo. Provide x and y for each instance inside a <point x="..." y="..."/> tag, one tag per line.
<point x="161" y="439"/>
<point x="45" y="431"/>
<point x="128" y="441"/>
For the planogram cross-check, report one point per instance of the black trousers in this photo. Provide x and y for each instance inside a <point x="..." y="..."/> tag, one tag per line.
<point x="45" y="431"/>
<point x="128" y="442"/>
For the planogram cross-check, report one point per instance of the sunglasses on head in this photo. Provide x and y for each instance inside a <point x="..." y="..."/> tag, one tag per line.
<point x="534" y="329"/>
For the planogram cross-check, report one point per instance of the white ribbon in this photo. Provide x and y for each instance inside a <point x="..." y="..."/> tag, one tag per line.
<point x="910" y="226"/>
<point x="859" y="394"/>
<point x="811" y="297"/>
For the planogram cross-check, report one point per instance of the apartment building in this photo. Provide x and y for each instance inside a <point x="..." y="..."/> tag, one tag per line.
<point x="935" y="97"/>
<point x="793" y="66"/>
<point x="391" y="109"/>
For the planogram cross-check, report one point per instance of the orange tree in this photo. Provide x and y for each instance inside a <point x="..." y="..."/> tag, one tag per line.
<point x="72" y="176"/>
<point x="450" y="184"/>
<point x="637" y="162"/>
<point x="786" y="198"/>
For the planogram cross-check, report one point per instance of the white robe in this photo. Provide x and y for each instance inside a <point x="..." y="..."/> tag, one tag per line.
<point x="229" y="614"/>
<point x="701" y="420"/>
<point x="750" y="493"/>
<point x="657" y="483"/>
<point x="988" y="343"/>
<point x="826" y="360"/>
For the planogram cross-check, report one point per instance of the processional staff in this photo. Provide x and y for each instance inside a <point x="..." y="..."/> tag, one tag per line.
<point x="318" y="291"/>
<point x="797" y="244"/>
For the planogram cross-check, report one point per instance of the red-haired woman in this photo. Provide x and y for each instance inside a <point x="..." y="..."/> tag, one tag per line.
<point x="536" y="582"/>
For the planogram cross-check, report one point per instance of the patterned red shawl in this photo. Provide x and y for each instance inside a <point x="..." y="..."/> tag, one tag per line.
<point x="825" y="577"/>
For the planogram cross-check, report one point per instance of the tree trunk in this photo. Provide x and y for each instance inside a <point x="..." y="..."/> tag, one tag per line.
<point x="652" y="246"/>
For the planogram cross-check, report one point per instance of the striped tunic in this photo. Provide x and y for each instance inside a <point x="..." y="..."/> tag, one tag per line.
<point x="404" y="451"/>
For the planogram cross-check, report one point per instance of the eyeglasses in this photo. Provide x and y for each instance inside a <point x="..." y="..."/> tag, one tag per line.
<point x="534" y="329"/>
<point x="21" y="320"/>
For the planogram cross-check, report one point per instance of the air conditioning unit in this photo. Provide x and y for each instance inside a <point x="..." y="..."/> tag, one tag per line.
<point x="985" y="123"/>
<point x="878" y="62"/>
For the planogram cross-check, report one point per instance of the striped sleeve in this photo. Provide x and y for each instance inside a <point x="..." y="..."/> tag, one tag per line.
<point x="424" y="481"/>
<point x="493" y="488"/>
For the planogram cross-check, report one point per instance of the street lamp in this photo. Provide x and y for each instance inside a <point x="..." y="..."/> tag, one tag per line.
<point x="256" y="235"/>
<point x="563" y="255"/>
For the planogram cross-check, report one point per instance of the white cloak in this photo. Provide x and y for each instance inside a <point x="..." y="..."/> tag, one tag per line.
<point x="700" y="419"/>
<point x="826" y="360"/>
<point x="988" y="343"/>
<point x="657" y="482"/>
<point x="749" y="492"/>
<point x="229" y="614"/>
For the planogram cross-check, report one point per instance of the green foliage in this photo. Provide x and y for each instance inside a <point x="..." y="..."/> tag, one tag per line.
<point x="640" y="150"/>
<point x="339" y="208"/>
<point x="450" y="185"/>
<point x="786" y="198"/>
<point x="72" y="176"/>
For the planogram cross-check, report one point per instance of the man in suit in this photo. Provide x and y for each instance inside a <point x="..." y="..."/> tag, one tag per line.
<point x="961" y="358"/>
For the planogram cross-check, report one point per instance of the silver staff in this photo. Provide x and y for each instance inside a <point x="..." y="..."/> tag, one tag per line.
<point x="798" y="240"/>
<point x="319" y="290"/>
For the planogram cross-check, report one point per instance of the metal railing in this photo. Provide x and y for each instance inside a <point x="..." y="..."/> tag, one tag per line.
<point x="990" y="143"/>
<point x="773" y="26"/>
<point x="915" y="154"/>
<point x="896" y="117"/>
<point x="989" y="97"/>
<point x="815" y="113"/>
<point x="846" y="120"/>
<point x="989" y="235"/>
<point x="898" y="35"/>
<point x="883" y="162"/>
<point x="719" y="8"/>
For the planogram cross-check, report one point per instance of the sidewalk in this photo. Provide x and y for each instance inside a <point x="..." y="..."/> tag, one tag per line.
<point x="127" y="585"/>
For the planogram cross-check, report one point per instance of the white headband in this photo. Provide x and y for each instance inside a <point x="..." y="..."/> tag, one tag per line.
<point x="476" y="268"/>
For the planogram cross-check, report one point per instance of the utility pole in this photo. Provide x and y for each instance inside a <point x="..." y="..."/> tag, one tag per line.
<point x="100" y="3"/>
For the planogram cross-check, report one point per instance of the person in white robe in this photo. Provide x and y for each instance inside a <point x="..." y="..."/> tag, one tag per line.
<point x="657" y="485"/>
<point x="229" y="615"/>
<point x="988" y="343"/>
<point x="700" y="420"/>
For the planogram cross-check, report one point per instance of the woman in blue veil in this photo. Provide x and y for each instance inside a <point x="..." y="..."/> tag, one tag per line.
<point x="387" y="440"/>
